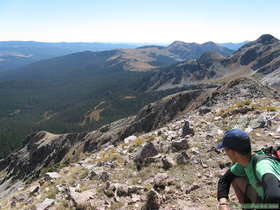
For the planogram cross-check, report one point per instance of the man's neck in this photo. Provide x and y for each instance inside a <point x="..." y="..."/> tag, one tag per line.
<point x="244" y="161"/>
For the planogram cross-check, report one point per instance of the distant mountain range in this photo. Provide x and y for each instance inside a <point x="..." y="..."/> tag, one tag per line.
<point x="260" y="59"/>
<point x="15" y="54"/>
<point x="233" y="46"/>
<point x="85" y="90"/>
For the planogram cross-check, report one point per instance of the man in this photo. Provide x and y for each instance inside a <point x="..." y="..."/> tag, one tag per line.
<point x="241" y="176"/>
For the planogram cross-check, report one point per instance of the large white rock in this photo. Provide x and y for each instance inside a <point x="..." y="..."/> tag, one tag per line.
<point x="130" y="138"/>
<point x="46" y="204"/>
<point x="83" y="197"/>
<point x="52" y="175"/>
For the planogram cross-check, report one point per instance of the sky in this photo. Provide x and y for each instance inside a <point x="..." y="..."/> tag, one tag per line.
<point x="138" y="21"/>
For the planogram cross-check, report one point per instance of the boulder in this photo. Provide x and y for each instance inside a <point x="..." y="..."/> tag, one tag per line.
<point x="182" y="158"/>
<point x="148" y="150"/>
<point x="261" y="122"/>
<point x="161" y="181"/>
<point x="204" y="110"/>
<point x="129" y="139"/>
<point x="187" y="130"/>
<point x="153" y="201"/>
<point x="166" y="163"/>
<point x="82" y="198"/>
<point x="52" y="175"/>
<point x="20" y="197"/>
<point x="179" y="145"/>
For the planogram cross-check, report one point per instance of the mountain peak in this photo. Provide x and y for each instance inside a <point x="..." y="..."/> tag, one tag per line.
<point x="210" y="43"/>
<point x="266" y="39"/>
<point x="176" y="43"/>
<point x="211" y="55"/>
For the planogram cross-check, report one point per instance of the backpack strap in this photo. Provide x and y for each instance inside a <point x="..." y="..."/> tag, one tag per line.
<point x="255" y="160"/>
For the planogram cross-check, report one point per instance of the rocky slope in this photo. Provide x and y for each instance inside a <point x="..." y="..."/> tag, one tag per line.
<point x="259" y="58"/>
<point x="144" y="162"/>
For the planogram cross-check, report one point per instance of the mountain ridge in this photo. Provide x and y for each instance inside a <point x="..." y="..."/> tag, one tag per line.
<point x="259" y="59"/>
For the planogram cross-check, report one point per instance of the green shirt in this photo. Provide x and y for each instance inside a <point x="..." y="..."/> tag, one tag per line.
<point x="263" y="167"/>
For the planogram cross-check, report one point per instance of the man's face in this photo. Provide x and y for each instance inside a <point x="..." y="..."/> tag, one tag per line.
<point x="231" y="154"/>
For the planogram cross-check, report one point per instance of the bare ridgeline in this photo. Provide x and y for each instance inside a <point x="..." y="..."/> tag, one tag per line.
<point x="162" y="158"/>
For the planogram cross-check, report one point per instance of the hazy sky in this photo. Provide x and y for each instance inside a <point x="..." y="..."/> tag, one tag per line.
<point x="158" y="21"/>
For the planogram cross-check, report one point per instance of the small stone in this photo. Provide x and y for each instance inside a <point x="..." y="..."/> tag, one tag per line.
<point x="166" y="163"/>
<point x="104" y="176"/>
<point x="13" y="204"/>
<point x="193" y="187"/>
<point x="204" y="165"/>
<point x="182" y="158"/>
<point x="34" y="189"/>
<point x="195" y="150"/>
<point x="92" y="174"/>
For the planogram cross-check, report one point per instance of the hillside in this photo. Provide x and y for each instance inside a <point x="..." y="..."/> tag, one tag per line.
<point x="15" y="54"/>
<point x="162" y="158"/>
<point x="81" y="91"/>
<point x="259" y="58"/>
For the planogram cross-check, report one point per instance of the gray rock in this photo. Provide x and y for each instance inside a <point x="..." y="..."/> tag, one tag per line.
<point x="92" y="174"/>
<point x="191" y="188"/>
<point x="261" y="122"/>
<point x="166" y="163"/>
<point x="179" y="145"/>
<point x="148" y="150"/>
<point x="182" y="158"/>
<point x="104" y="176"/>
<point x="164" y="148"/>
<point x="187" y="130"/>
<point x="13" y="204"/>
<point x="204" y="110"/>
<point x="195" y="150"/>
<point x="34" y="189"/>
<point x="20" y="198"/>
<point x="160" y="181"/>
<point x="125" y="190"/>
<point x="152" y="202"/>
<point x="82" y="198"/>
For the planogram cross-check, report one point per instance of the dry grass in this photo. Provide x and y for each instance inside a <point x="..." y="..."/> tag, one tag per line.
<point x="128" y="97"/>
<point x="94" y="115"/>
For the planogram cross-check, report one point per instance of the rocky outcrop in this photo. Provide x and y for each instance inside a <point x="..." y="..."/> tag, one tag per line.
<point x="155" y="115"/>
<point x="41" y="150"/>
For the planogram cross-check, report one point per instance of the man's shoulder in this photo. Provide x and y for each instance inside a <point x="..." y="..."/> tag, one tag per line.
<point x="237" y="169"/>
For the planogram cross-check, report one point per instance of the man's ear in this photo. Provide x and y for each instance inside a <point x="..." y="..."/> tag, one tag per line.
<point x="234" y="153"/>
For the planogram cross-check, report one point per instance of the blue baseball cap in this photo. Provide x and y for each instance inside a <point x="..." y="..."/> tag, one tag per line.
<point x="235" y="139"/>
